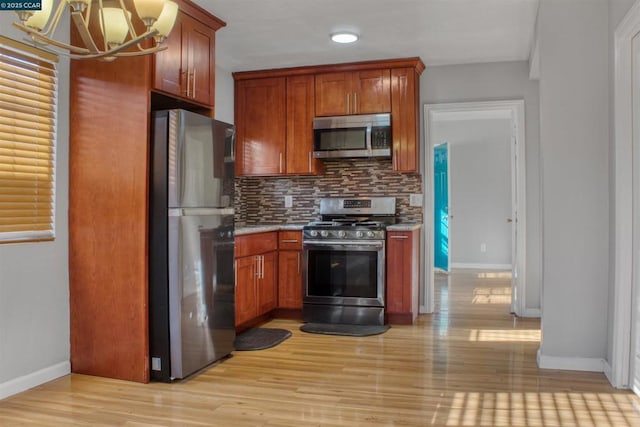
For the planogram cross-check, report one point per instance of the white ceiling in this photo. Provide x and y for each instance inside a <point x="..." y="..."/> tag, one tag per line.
<point x="263" y="34"/>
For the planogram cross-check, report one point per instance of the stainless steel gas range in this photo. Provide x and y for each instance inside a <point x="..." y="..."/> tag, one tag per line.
<point x="344" y="260"/>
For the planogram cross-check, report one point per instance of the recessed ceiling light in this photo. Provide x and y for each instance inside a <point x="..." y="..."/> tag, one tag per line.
<point x="344" y="37"/>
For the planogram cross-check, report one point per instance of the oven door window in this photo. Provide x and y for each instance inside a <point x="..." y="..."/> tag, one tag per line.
<point x="341" y="139"/>
<point x="342" y="273"/>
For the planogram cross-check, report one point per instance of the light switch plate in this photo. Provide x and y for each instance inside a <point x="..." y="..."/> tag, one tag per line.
<point x="415" y="200"/>
<point x="288" y="201"/>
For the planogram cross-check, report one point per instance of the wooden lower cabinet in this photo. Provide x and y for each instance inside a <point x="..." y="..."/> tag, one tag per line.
<point x="290" y="270"/>
<point x="256" y="276"/>
<point x="246" y="305"/>
<point x="267" y="286"/>
<point x="402" y="254"/>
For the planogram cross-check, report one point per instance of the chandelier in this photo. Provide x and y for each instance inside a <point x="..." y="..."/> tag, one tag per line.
<point x="117" y="38"/>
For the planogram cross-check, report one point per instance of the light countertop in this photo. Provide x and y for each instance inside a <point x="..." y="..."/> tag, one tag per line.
<point x="252" y="229"/>
<point x="406" y="226"/>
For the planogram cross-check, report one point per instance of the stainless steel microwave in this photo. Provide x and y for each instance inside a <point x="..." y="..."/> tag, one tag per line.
<point x="365" y="135"/>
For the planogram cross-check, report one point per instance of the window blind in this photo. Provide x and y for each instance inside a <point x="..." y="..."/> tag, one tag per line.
<point x="28" y="93"/>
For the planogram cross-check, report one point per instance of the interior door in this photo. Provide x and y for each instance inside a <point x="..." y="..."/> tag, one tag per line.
<point x="441" y="207"/>
<point x="513" y="220"/>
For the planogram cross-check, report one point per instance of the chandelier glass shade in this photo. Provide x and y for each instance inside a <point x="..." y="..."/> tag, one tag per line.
<point x="115" y="24"/>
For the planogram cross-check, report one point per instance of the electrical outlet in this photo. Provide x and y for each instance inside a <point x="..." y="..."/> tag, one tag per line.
<point x="288" y="201"/>
<point x="156" y="364"/>
<point x="483" y="247"/>
<point x="415" y="200"/>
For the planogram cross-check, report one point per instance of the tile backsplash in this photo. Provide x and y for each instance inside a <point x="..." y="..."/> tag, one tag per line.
<point x="260" y="200"/>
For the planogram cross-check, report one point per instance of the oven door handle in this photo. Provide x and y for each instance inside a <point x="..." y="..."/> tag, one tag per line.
<point x="345" y="243"/>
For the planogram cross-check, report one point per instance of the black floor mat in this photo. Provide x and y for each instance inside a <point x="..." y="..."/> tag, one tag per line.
<point x="260" y="338"/>
<point x="343" y="329"/>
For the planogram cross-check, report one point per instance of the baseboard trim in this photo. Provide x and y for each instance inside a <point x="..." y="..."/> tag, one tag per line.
<point x="20" y="384"/>
<point x="474" y="266"/>
<point x="570" y="363"/>
<point x="532" y="312"/>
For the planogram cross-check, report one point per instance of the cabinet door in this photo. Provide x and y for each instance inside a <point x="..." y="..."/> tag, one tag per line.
<point x="404" y="119"/>
<point x="398" y="254"/>
<point x="267" y="289"/>
<point x="260" y="126"/>
<point x="168" y="72"/>
<point x="290" y="279"/>
<point x="245" y="289"/>
<point x="200" y="67"/>
<point x="371" y="91"/>
<point x="333" y="97"/>
<point x="300" y="113"/>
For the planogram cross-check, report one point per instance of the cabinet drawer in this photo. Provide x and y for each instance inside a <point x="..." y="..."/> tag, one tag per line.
<point x="290" y="240"/>
<point x="253" y="244"/>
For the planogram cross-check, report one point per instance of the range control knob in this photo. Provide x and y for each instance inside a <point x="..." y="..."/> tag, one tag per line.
<point x="341" y="233"/>
<point x="324" y="233"/>
<point x="313" y="233"/>
<point x="358" y="233"/>
<point x="370" y="234"/>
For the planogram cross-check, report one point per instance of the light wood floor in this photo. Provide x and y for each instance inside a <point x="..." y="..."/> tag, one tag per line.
<point x="471" y="364"/>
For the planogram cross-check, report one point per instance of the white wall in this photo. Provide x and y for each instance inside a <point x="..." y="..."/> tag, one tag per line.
<point x="224" y="101"/>
<point x="480" y="190"/>
<point x="34" y="278"/>
<point x="490" y="82"/>
<point x="574" y="134"/>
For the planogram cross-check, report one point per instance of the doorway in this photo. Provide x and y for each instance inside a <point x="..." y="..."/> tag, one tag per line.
<point x="441" y="187"/>
<point x="623" y="369"/>
<point x="513" y="112"/>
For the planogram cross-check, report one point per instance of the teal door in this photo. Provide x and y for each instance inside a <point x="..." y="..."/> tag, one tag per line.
<point x="441" y="206"/>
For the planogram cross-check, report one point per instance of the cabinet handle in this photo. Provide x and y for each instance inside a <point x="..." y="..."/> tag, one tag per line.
<point x="188" y="84"/>
<point x="184" y="75"/>
<point x="355" y="103"/>
<point x="193" y="85"/>
<point x="396" y="160"/>
<point x="262" y="268"/>
<point x="257" y="266"/>
<point x="289" y="240"/>
<point x="309" y="156"/>
<point x="280" y="162"/>
<point x="399" y="237"/>
<point x="348" y="105"/>
<point x="298" y="261"/>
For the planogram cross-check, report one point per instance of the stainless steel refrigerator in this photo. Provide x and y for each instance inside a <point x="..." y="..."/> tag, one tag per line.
<point x="191" y="250"/>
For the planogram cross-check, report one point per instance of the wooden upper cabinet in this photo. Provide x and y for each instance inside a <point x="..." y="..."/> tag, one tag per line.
<point x="186" y="69"/>
<point x="260" y="111"/>
<point x="275" y="110"/>
<point x="404" y="119"/>
<point x="167" y="72"/>
<point x="300" y="113"/>
<point x="200" y="60"/>
<point x="357" y="92"/>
